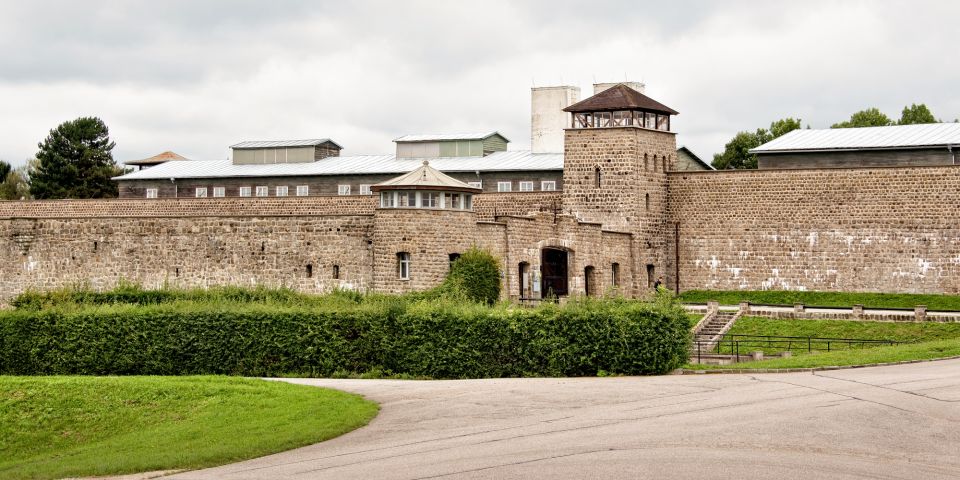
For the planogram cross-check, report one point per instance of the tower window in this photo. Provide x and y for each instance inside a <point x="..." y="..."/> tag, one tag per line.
<point x="596" y="177"/>
<point x="336" y="272"/>
<point x="615" y="274"/>
<point x="646" y="162"/>
<point x="309" y="270"/>
<point x="646" y="200"/>
<point x="403" y="265"/>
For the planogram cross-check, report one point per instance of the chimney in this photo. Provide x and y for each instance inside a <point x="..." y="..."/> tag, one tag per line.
<point x="547" y="118"/>
<point x="599" y="87"/>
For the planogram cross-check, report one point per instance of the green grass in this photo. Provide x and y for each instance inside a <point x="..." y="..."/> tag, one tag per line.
<point x="824" y="299"/>
<point x="904" y="332"/>
<point x="53" y="427"/>
<point x="913" y="351"/>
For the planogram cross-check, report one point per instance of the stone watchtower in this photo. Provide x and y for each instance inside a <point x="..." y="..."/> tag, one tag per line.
<point x="424" y="220"/>
<point x="617" y="152"/>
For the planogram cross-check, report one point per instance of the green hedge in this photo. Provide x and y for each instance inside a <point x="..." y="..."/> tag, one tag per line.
<point x="435" y="339"/>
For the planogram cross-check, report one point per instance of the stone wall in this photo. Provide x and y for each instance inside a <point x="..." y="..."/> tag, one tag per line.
<point x="429" y="236"/>
<point x="294" y="251"/>
<point x="490" y="205"/>
<point x="189" y="207"/>
<point x="867" y="229"/>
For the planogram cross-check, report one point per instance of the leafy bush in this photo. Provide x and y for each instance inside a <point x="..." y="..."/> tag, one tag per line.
<point x="475" y="274"/>
<point x="392" y="335"/>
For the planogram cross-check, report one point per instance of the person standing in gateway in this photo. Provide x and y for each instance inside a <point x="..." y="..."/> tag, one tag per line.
<point x="658" y="283"/>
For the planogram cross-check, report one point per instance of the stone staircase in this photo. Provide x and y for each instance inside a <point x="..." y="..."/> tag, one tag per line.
<point x="710" y="331"/>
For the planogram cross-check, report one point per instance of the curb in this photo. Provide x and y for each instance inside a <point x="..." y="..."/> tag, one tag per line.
<point x="741" y="371"/>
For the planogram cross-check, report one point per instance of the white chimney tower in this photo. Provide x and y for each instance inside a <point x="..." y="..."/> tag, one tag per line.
<point x="599" y="87"/>
<point x="547" y="118"/>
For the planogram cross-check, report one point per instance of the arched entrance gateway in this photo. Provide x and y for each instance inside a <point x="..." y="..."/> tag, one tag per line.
<point x="553" y="271"/>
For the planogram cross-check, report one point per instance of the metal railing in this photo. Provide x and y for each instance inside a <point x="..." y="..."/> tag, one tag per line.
<point x="734" y="344"/>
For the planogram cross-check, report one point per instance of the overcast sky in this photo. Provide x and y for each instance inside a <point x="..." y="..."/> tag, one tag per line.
<point x="196" y="76"/>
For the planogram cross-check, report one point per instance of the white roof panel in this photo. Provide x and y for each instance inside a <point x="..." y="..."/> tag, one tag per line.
<point x="517" y="160"/>
<point x="428" y="137"/>
<point x="898" y="136"/>
<point x="283" y="143"/>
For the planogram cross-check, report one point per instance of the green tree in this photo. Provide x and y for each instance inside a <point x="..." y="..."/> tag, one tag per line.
<point x="5" y="169"/>
<point x="736" y="153"/>
<point x="15" y="184"/>
<point x="871" y="117"/>
<point x="75" y="161"/>
<point x="915" y="114"/>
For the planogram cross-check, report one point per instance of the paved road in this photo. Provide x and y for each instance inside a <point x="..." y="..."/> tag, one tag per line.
<point x="884" y="422"/>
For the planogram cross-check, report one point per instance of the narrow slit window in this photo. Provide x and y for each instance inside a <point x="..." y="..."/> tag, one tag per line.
<point x="596" y="177"/>
<point x="403" y="265"/>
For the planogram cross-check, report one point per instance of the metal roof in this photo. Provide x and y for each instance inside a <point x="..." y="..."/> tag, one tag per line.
<point x="515" y="160"/>
<point x="898" y="136"/>
<point x="429" y="137"/>
<point x="283" y="143"/>
<point x="424" y="177"/>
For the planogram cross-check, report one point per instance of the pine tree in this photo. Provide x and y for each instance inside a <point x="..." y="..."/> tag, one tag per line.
<point x="75" y="161"/>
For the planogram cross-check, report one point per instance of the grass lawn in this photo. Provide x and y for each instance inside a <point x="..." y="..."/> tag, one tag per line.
<point x="54" y="427"/>
<point x="912" y="351"/>
<point x="906" y="332"/>
<point x="823" y="299"/>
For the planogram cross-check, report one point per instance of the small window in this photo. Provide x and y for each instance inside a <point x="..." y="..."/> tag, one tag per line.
<point x="504" y="186"/>
<point x="615" y="274"/>
<point x="343" y="189"/>
<point x="452" y="201"/>
<point x="476" y="184"/>
<point x="309" y="270"/>
<point x="151" y="193"/>
<point x="336" y="272"/>
<point x="407" y="199"/>
<point x="403" y="265"/>
<point x="596" y="177"/>
<point x="263" y="191"/>
<point x="430" y="199"/>
<point x="646" y="200"/>
<point x="245" y="191"/>
<point x="386" y="200"/>
<point x="526" y="186"/>
<point x="467" y="201"/>
<point x="365" y="189"/>
<point x="303" y="190"/>
<point x="281" y="191"/>
<point x="219" y="191"/>
<point x="200" y="192"/>
<point x="548" y="185"/>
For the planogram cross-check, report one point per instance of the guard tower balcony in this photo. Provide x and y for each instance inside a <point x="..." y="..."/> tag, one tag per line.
<point x="620" y="106"/>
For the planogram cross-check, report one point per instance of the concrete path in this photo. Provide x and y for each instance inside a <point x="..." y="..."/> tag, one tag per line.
<point x="883" y="422"/>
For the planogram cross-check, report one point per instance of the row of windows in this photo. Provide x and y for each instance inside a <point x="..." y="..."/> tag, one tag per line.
<point x="426" y="199"/>
<point x="304" y="190"/>
<point x="524" y="186"/>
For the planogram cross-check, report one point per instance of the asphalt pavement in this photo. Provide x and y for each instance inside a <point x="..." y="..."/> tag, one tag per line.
<point x="897" y="422"/>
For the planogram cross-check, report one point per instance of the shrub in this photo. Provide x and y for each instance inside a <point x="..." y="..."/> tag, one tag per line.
<point x="475" y="274"/>
<point x="396" y="336"/>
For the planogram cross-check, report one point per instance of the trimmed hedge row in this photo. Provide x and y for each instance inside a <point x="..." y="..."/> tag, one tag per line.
<point x="434" y="339"/>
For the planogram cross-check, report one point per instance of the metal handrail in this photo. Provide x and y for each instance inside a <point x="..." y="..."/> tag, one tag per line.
<point x="733" y="342"/>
